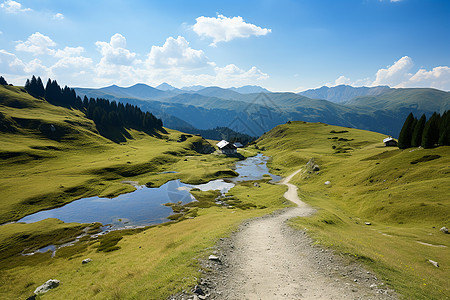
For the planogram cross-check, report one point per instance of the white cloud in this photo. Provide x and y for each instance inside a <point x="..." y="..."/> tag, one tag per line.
<point x="232" y="75"/>
<point x="395" y="74"/>
<point x="224" y="29"/>
<point x="176" y="53"/>
<point x="174" y="61"/>
<point x="69" y="51"/>
<point x="10" y="64"/>
<point x="115" y="51"/>
<point x="37" y="43"/>
<point x="342" y="80"/>
<point x="58" y="16"/>
<point x="13" y="7"/>
<point x="438" y="77"/>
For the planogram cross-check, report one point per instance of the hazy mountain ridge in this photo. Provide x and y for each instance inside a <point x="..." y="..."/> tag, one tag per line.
<point x="257" y="113"/>
<point x="343" y="93"/>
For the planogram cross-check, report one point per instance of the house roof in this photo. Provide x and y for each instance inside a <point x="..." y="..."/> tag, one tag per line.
<point x="238" y="145"/>
<point x="222" y="144"/>
<point x="388" y="139"/>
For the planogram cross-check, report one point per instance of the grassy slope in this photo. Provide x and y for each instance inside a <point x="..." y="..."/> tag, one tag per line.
<point x="405" y="202"/>
<point x="40" y="172"/>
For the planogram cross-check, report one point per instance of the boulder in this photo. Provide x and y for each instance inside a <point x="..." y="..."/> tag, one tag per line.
<point x="316" y="168"/>
<point x="444" y="230"/>
<point x="50" y="284"/>
<point x="368" y="223"/>
<point x="88" y="260"/>
<point x="327" y="182"/>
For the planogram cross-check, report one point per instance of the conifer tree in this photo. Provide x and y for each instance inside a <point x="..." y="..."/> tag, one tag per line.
<point x="40" y="91"/>
<point x="444" y="137"/>
<point x="3" y="81"/>
<point x="416" y="140"/>
<point x="404" y="138"/>
<point x="430" y="135"/>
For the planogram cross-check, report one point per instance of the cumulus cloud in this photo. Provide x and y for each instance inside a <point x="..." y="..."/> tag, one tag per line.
<point x="58" y="16"/>
<point x="10" y="64"/>
<point x="233" y="75"/>
<point x="395" y="74"/>
<point x="176" y="53"/>
<point x="115" y="51"/>
<point x="224" y="29"/>
<point x="438" y="77"/>
<point x="342" y="80"/>
<point x="69" y="51"/>
<point x="13" y="7"/>
<point x="174" y="61"/>
<point x="37" y="43"/>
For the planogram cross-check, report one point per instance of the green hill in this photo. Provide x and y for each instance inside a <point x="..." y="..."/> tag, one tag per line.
<point x="403" y="194"/>
<point x="40" y="139"/>
<point x="417" y="101"/>
<point x="52" y="155"/>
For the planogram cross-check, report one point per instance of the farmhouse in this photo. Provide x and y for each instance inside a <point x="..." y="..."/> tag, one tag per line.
<point x="226" y="147"/>
<point x="390" y="142"/>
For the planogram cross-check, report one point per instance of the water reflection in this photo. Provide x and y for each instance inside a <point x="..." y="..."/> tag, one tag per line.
<point x="145" y="205"/>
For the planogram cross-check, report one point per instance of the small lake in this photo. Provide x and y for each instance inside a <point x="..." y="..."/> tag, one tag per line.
<point x="144" y="206"/>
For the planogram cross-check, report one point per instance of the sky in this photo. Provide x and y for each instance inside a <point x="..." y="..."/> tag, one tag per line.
<point x="282" y="45"/>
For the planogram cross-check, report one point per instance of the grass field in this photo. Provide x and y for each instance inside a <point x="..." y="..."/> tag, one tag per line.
<point x="42" y="170"/>
<point x="404" y="194"/>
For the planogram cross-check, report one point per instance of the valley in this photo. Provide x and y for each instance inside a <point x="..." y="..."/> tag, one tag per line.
<point x="376" y="208"/>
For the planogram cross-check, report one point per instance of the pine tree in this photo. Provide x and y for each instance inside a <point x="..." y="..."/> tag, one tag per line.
<point x="416" y="140"/>
<point x="3" y="81"/>
<point x="40" y="91"/>
<point x="404" y="138"/>
<point x="444" y="137"/>
<point x="430" y="135"/>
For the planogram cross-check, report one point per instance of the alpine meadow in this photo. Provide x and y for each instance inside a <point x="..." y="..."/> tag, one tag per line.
<point x="235" y="150"/>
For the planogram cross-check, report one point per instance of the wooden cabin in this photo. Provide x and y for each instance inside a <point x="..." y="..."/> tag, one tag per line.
<point x="390" y="142"/>
<point x="226" y="147"/>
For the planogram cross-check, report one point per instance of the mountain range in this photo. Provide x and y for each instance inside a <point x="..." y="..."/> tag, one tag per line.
<point x="381" y="109"/>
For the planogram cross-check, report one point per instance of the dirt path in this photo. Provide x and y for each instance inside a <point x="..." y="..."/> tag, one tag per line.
<point x="266" y="259"/>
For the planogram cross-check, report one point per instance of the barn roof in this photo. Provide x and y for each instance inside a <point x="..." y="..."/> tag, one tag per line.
<point x="222" y="144"/>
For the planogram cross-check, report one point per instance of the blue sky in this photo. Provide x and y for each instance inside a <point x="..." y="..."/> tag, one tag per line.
<point x="283" y="45"/>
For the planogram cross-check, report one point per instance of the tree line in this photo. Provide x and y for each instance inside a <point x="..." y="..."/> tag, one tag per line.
<point x="107" y="115"/>
<point x="426" y="133"/>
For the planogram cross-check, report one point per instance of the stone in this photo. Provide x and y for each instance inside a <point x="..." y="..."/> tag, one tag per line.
<point x="444" y="230"/>
<point x="213" y="258"/>
<point x="198" y="290"/>
<point x="434" y="263"/>
<point x="368" y="223"/>
<point x="50" y="284"/>
<point x="316" y="168"/>
<point x="327" y="182"/>
<point x="88" y="260"/>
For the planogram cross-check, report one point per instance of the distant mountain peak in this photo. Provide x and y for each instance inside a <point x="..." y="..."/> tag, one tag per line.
<point x="165" y="87"/>
<point x="249" y="89"/>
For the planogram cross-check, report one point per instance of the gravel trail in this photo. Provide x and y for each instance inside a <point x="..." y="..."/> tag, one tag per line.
<point x="266" y="259"/>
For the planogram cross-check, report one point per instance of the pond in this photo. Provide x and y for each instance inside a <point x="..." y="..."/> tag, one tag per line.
<point x="144" y="206"/>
